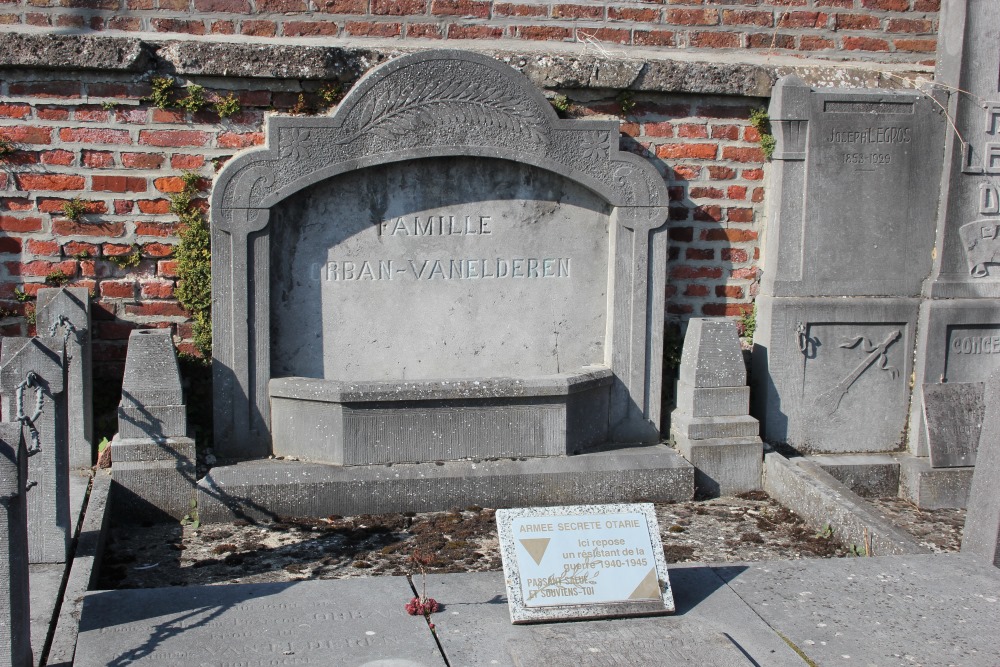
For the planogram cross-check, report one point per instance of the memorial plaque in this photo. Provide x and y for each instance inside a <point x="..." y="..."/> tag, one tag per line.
<point x="973" y="353"/>
<point x="583" y="561"/>
<point x="954" y="416"/>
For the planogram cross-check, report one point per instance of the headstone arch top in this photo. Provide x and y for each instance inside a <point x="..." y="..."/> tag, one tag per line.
<point x="424" y="107"/>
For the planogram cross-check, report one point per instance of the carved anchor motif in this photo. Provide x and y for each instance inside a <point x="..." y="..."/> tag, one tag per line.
<point x="877" y="353"/>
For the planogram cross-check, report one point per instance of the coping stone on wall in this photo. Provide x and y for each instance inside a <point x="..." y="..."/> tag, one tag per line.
<point x="61" y="51"/>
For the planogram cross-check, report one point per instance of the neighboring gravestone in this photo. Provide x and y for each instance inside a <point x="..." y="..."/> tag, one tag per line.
<point x="711" y="426"/>
<point x="154" y="469"/>
<point x="849" y="243"/>
<point x="954" y="414"/>
<point x="65" y="311"/>
<point x="32" y="385"/>
<point x="982" y="520"/>
<point x="443" y="270"/>
<point x="584" y="561"/>
<point x="960" y="321"/>
<point x="15" y="617"/>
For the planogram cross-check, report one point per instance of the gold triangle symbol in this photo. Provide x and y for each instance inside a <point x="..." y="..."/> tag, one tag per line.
<point x="536" y="548"/>
<point x="648" y="588"/>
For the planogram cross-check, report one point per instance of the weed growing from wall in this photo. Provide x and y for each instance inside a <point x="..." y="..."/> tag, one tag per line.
<point x="7" y="148"/>
<point x="74" y="209"/>
<point x="194" y="262"/>
<point x="227" y="106"/>
<point x="761" y="121"/>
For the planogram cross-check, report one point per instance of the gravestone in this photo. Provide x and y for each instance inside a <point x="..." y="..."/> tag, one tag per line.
<point x="441" y="271"/>
<point x="711" y="425"/>
<point x="32" y="384"/>
<point x="954" y="415"/>
<point x="960" y="320"/>
<point x="65" y="311"/>
<point x="15" y="617"/>
<point x="585" y="561"/>
<point x="849" y="243"/>
<point x="154" y="469"/>
<point x="981" y="535"/>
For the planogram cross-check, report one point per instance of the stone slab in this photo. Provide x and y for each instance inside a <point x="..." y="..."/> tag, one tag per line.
<point x="344" y="623"/>
<point x="824" y="502"/>
<point x="712" y="626"/>
<point x="583" y="561"/>
<point x="981" y="536"/>
<point x="260" y="489"/>
<point x="152" y="421"/>
<point x="711" y="356"/>
<point x="724" y="466"/>
<point x="868" y="475"/>
<point x="705" y="428"/>
<point x="892" y="611"/>
<point x="712" y="401"/>
<point x="152" y="377"/>
<point x="153" y="481"/>
<point x="953" y="415"/>
<point x="15" y="601"/>
<point x="933" y="488"/>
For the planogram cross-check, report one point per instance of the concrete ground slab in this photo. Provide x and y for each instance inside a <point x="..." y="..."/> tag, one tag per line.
<point x="712" y="626"/>
<point x="345" y="623"/>
<point x="879" y="612"/>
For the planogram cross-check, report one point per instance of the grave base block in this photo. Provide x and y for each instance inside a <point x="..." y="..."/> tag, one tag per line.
<point x="153" y="480"/>
<point x="868" y="475"/>
<point x="934" y="488"/>
<point x="724" y="466"/>
<point x="268" y="488"/>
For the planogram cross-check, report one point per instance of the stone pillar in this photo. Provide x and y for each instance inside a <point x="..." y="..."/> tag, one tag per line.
<point x="36" y="366"/>
<point x="65" y="311"/>
<point x="15" y="617"/>
<point x="153" y="459"/>
<point x="711" y="425"/>
<point x="982" y="521"/>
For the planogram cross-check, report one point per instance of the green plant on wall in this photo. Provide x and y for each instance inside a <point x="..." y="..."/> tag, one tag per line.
<point x="57" y="277"/>
<point x="162" y="94"/>
<point x="748" y="323"/>
<point x="626" y="103"/>
<point x="127" y="260"/>
<point x="195" y="99"/>
<point x="7" y="148"/>
<point x="194" y="262"/>
<point x="227" y="106"/>
<point x="74" y="209"/>
<point x="761" y="121"/>
<point x="561" y="104"/>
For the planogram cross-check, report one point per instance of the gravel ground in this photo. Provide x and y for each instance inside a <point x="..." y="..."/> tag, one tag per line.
<point x="748" y="528"/>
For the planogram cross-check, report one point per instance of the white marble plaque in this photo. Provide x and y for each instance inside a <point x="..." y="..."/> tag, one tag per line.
<point x="583" y="561"/>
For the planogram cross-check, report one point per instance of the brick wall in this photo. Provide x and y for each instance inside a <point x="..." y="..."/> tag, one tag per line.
<point x="881" y="30"/>
<point x="92" y="137"/>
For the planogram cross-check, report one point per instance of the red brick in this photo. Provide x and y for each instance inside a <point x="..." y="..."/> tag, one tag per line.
<point x="887" y="5"/>
<point x="54" y="205"/>
<point x="729" y="291"/>
<point x="142" y="160"/>
<point x="169" y="184"/>
<point x="642" y="15"/>
<point x="726" y="309"/>
<point x="658" y="129"/>
<point x="154" y="206"/>
<point x="281" y="6"/>
<point x="694" y="289"/>
<point x="813" y="43"/>
<point x="865" y="44"/>
<point x="653" y="38"/>
<point x="736" y="255"/>
<point x="758" y="195"/>
<point x="686" y="172"/>
<point x="95" y="135"/>
<point x="118" y="183"/>
<point x="753" y="174"/>
<point x="14" y="110"/>
<point x="725" y="111"/>
<point x="124" y="206"/>
<point x="399" y="7"/>
<point x="19" y="157"/>
<point x="158" y="250"/>
<point x="259" y="28"/>
<point x="746" y="17"/>
<point x="177" y="25"/>
<point x="309" y="28"/>
<point x="48" y="182"/>
<point x="187" y="161"/>
<point x="156" y="308"/>
<point x="466" y="8"/>
<point x="46" y="88"/>
<point x="681" y="234"/>
<point x="156" y="289"/>
<point x="543" y="33"/>
<point x="858" y="22"/>
<point x="240" y="139"/>
<point x="740" y="215"/>
<point x="458" y="31"/>
<point x="803" y="20"/>
<point x="114" y="330"/>
<point x="32" y="18"/>
<point x="731" y="235"/>
<point x="715" y="40"/>
<point x="150" y="228"/>
<point x="117" y="289"/>
<point x="678" y="213"/>
<point x="58" y="157"/>
<point x="222" y="28"/>
<point x="116" y="249"/>
<point x="423" y="31"/>
<point x="513" y="9"/>
<point x="609" y="35"/>
<point x="710" y="213"/>
<point x="173" y="138"/>
<point x="91" y="114"/>
<point x="66" y="227"/>
<point x="843" y="4"/>
<point x="15" y="203"/>
<point x="742" y="154"/>
<point x="731" y="132"/>
<point x="373" y="29"/>
<point x="763" y="40"/>
<point x="129" y="23"/>
<point x="9" y="244"/>
<point x="706" y="193"/>
<point x="699" y="254"/>
<point x="24" y="134"/>
<point x="721" y="173"/>
<point x="915" y="26"/>
<point x="342" y="6"/>
<point x="687" y="150"/>
<point x="222" y="6"/>
<point x="44" y="248"/>
<point x="167" y="268"/>
<point x="736" y="192"/>
<point x="98" y="159"/>
<point x="74" y="248"/>
<point x="693" y="16"/>
<point x="563" y="11"/>
<point x="683" y="272"/>
<point x="915" y="45"/>
<point x="42" y="268"/>
<point x="926" y="5"/>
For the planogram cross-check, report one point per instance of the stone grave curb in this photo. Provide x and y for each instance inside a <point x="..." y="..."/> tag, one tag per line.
<point x="823" y="502"/>
<point x="82" y="573"/>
